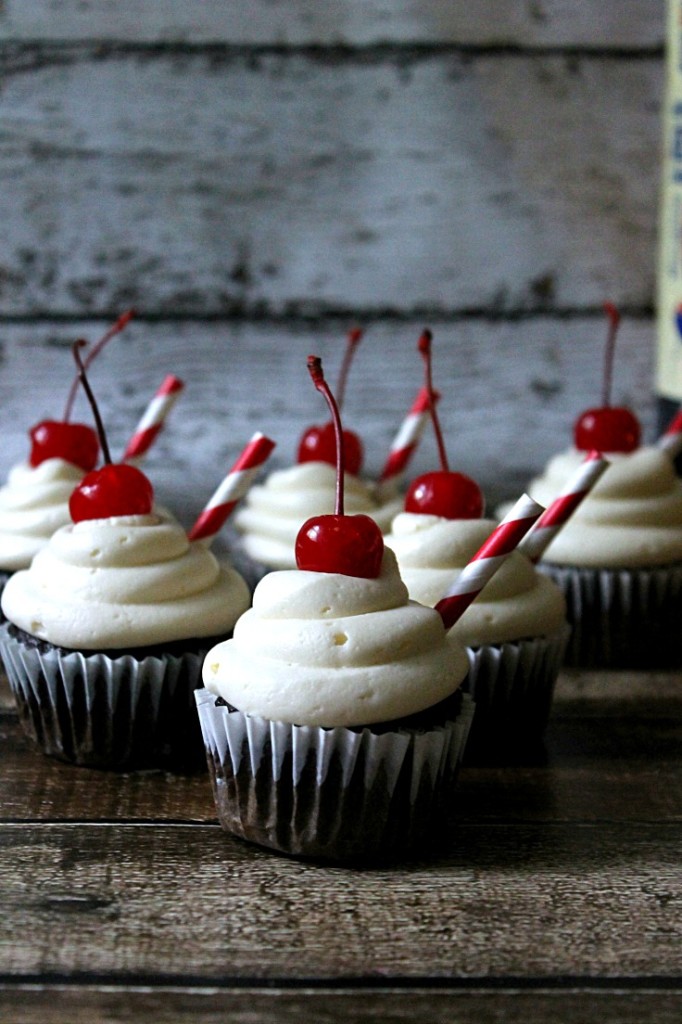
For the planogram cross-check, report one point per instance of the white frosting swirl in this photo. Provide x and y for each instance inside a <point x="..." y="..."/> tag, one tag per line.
<point x="127" y="581"/>
<point x="325" y="649"/>
<point x="517" y="603"/>
<point x="33" y="504"/>
<point x="273" y="512"/>
<point x="632" y="517"/>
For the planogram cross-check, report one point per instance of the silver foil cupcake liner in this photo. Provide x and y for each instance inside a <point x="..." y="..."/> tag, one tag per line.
<point x="512" y="685"/>
<point x="622" y="618"/>
<point x="98" y="711"/>
<point x="342" y="795"/>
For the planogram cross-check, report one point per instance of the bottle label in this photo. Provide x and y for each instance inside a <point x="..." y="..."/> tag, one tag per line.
<point x="669" y="304"/>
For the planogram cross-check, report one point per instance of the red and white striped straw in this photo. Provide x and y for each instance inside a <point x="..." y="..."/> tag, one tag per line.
<point x="670" y="440"/>
<point x="537" y="540"/>
<point x="233" y="488"/>
<point x="488" y="559"/>
<point x="406" y="440"/>
<point x="153" y="418"/>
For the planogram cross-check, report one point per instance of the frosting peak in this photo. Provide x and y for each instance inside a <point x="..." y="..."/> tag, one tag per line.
<point x="325" y="649"/>
<point x="631" y="518"/>
<point x="518" y="602"/>
<point x="127" y="581"/>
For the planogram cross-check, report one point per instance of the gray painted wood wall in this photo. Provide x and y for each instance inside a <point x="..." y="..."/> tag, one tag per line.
<point x="255" y="178"/>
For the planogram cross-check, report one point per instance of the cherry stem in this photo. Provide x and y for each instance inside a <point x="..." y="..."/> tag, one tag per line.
<point x="424" y="346"/>
<point x="81" y="377"/>
<point x="352" y="342"/>
<point x="614" y="322"/>
<point x="317" y="374"/>
<point x="115" y="329"/>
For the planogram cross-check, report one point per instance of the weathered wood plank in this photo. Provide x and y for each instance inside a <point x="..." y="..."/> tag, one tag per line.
<point x="190" y="904"/>
<point x="589" y="769"/>
<point x="89" y="1005"/>
<point x="550" y="22"/>
<point x="223" y="183"/>
<point x="511" y="391"/>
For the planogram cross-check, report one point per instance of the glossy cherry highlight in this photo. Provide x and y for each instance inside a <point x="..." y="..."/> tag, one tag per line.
<point x="117" y="489"/>
<point x="350" y="545"/>
<point x="318" y="443"/>
<point x="443" y="492"/>
<point x="608" y="428"/>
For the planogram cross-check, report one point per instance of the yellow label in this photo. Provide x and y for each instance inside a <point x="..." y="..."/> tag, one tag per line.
<point x="669" y="304"/>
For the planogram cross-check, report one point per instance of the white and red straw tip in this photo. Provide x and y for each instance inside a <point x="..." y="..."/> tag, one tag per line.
<point x="670" y="440"/>
<point x="490" y="556"/>
<point x="153" y="418"/>
<point x="233" y="488"/>
<point x="406" y="440"/>
<point x="556" y="515"/>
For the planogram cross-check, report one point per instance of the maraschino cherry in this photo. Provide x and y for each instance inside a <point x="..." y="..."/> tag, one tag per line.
<point x="117" y="489"/>
<point x="76" y="443"/>
<point x="608" y="428"/>
<point x="350" y="545"/>
<point x="318" y="443"/>
<point x="443" y="492"/>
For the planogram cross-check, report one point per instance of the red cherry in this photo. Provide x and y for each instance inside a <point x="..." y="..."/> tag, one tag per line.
<point x="447" y="494"/>
<point x="607" y="429"/>
<point x="74" y="442"/>
<point x="117" y="489"/>
<point x="318" y="444"/>
<point x="351" y="545"/>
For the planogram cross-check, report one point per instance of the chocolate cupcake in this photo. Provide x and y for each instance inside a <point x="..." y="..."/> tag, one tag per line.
<point x="618" y="560"/>
<point x="105" y="637"/>
<point x="333" y="721"/>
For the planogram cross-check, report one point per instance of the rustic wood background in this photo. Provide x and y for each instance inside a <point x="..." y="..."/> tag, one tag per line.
<point x="254" y="178"/>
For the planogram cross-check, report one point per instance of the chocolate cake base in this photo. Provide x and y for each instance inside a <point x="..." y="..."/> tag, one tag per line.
<point x="337" y="795"/>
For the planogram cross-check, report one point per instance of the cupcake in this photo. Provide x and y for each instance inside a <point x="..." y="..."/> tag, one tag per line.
<point x="105" y="637"/>
<point x="515" y="631"/>
<point x="618" y="559"/>
<point x="106" y="631"/>
<point x="333" y="720"/>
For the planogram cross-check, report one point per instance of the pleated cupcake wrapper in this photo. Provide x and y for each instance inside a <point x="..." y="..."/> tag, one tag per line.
<point x="104" y="712"/>
<point x="335" y="794"/>
<point x="622" y="618"/>
<point x="512" y="685"/>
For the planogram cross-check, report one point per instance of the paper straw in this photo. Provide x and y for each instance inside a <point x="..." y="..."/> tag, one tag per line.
<point x="405" y="441"/>
<point x="233" y="488"/>
<point x="538" y="539"/>
<point x="153" y="418"/>
<point x="488" y="559"/>
<point x="670" y="440"/>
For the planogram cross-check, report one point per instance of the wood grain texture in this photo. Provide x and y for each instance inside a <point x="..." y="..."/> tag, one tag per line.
<point x="235" y="184"/>
<point x="189" y="903"/>
<point x="601" y="768"/>
<point x="633" y="23"/>
<point x="89" y="1005"/>
<point x="511" y="391"/>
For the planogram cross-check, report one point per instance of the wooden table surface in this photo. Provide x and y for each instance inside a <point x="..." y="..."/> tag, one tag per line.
<point x="557" y="897"/>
